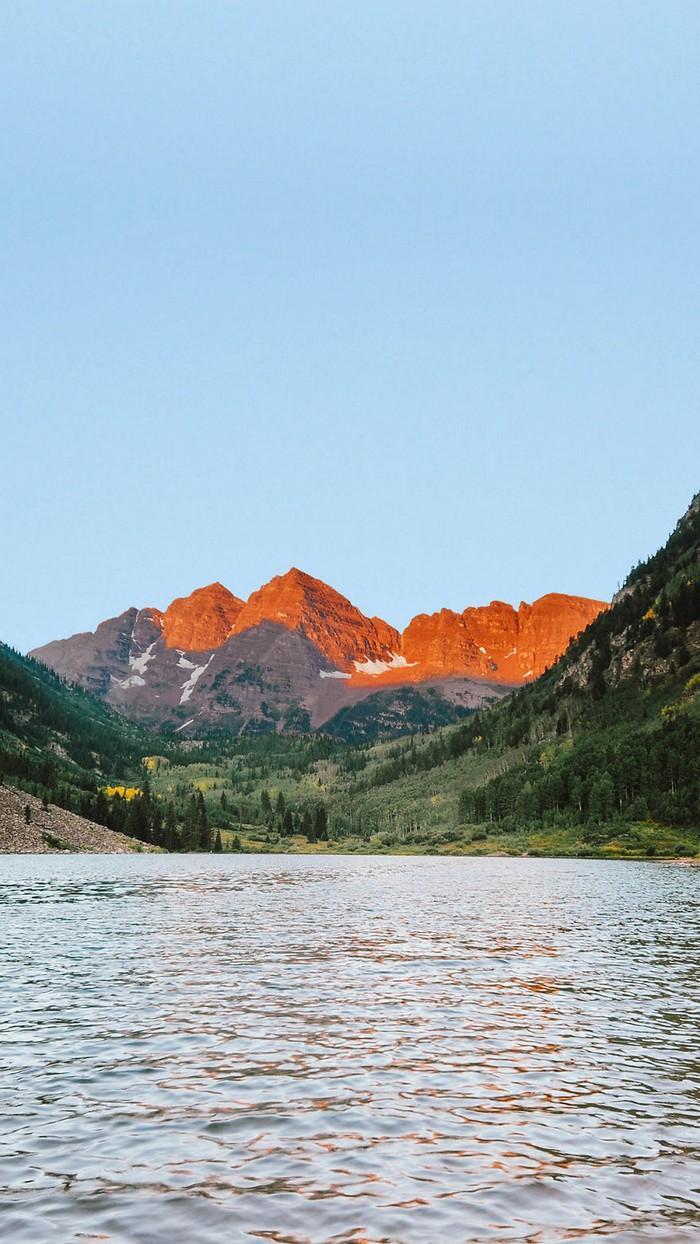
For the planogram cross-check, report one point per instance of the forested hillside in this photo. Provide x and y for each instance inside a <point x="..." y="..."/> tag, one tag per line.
<point x="607" y="738"/>
<point x="58" y="742"/>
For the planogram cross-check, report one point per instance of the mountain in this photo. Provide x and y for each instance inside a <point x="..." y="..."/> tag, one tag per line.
<point x="344" y="636"/>
<point x="60" y="747"/>
<point x="297" y="653"/>
<point x="200" y="621"/>
<point x="496" y="639"/>
<point x="599" y="756"/>
<point x="42" y="717"/>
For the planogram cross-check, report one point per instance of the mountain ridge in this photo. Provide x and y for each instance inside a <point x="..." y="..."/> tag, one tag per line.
<point x="297" y="652"/>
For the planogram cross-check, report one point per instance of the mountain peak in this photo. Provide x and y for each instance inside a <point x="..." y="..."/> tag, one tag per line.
<point x="298" y="642"/>
<point x="299" y="602"/>
<point x="201" y="620"/>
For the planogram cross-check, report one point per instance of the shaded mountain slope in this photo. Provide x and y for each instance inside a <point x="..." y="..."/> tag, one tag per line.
<point x="609" y="736"/>
<point x="59" y="739"/>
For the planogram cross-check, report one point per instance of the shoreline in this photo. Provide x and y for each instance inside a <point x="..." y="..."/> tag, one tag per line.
<point x="690" y="861"/>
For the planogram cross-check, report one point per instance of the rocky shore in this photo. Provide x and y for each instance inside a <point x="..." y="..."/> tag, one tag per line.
<point x="52" y="830"/>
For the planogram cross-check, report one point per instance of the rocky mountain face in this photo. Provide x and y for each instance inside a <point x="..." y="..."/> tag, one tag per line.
<point x="297" y="652"/>
<point x="337" y="628"/>
<point x="200" y="621"/>
<point x="496" y="641"/>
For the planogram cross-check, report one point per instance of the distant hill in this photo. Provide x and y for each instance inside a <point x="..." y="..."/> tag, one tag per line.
<point x="405" y="710"/>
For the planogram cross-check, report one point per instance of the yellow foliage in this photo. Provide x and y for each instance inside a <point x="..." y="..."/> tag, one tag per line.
<point x="156" y="762"/>
<point x="649" y="615"/>
<point x="126" y="792"/>
<point x="692" y="685"/>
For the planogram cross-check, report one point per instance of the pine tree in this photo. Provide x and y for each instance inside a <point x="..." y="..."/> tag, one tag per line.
<point x="218" y="844"/>
<point x="171" y="834"/>
<point x="203" y="831"/>
<point x="190" y="838"/>
<point x="157" y="825"/>
<point x="138" y="819"/>
<point x="321" y="822"/>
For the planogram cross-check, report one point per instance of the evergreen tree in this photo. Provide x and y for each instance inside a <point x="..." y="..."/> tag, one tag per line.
<point x="138" y="819"/>
<point x="157" y="833"/>
<point x="321" y="822"/>
<point x="218" y="845"/>
<point x="190" y="827"/>
<point x="171" y="835"/>
<point x="202" y="821"/>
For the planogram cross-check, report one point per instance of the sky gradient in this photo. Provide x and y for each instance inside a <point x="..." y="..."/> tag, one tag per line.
<point x="403" y="294"/>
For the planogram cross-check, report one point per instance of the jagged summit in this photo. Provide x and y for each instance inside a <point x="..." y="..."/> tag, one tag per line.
<point x="302" y="603"/>
<point x="298" y="650"/>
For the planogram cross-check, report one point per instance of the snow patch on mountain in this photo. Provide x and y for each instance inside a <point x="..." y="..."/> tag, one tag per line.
<point x="140" y="662"/>
<point x="375" y="668"/>
<point x="197" y="671"/>
<point x="133" y="680"/>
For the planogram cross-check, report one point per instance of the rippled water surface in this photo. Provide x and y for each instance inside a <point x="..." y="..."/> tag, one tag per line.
<point x="199" y="1049"/>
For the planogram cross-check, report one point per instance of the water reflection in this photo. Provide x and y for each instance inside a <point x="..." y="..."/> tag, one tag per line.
<point x="348" y="1050"/>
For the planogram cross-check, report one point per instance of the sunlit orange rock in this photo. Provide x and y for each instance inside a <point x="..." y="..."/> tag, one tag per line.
<point x="297" y="652"/>
<point x="338" y="629"/>
<point x="496" y="642"/>
<point x="202" y="620"/>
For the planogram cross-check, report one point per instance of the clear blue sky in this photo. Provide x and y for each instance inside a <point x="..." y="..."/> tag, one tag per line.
<point x="405" y="294"/>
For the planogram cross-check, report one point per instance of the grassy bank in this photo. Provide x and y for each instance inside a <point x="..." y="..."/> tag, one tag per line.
<point x="641" y="840"/>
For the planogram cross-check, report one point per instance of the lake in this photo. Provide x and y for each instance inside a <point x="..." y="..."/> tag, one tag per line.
<point x="201" y="1049"/>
